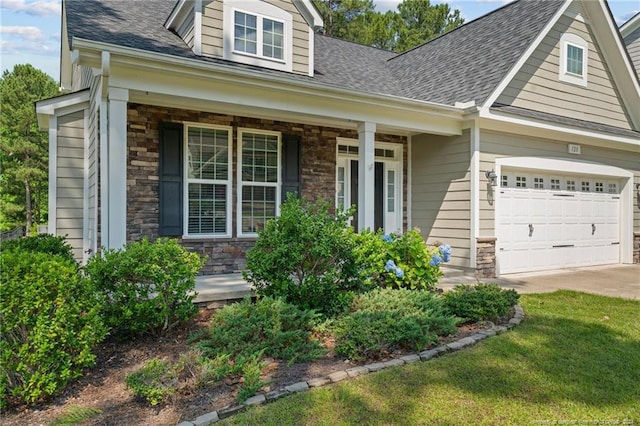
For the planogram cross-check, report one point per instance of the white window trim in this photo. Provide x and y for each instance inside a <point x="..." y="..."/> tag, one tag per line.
<point x="398" y="167"/>
<point x="261" y="10"/>
<point x="187" y="180"/>
<point x="576" y="41"/>
<point x="241" y="183"/>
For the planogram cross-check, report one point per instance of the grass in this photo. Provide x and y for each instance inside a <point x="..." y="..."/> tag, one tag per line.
<point x="574" y="360"/>
<point x="75" y="415"/>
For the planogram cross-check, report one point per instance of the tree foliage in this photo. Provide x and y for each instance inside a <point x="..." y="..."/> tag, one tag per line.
<point x="415" y="22"/>
<point x="24" y="148"/>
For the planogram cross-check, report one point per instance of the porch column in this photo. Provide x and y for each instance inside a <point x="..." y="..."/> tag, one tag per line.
<point x="366" y="175"/>
<point x="117" y="168"/>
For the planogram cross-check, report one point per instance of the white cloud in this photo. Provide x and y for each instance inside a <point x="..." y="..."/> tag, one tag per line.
<point x="27" y="33"/>
<point x="36" y="8"/>
<point x="26" y="40"/>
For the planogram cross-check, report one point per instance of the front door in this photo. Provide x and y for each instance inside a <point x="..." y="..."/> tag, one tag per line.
<point x="387" y="195"/>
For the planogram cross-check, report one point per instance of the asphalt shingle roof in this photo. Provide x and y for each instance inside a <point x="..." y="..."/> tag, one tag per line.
<point x="465" y="64"/>
<point x="469" y="62"/>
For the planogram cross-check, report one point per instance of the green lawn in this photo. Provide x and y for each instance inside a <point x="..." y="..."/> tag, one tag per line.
<point x="574" y="360"/>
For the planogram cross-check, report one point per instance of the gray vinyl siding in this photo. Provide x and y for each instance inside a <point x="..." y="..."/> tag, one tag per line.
<point x="81" y="77"/>
<point x="497" y="145"/>
<point x="212" y="29"/>
<point x="212" y="33"/>
<point x="441" y="191"/>
<point x="633" y="47"/>
<point x="70" y="180"/>
<point x="537" y="85"/>
<point x="186" y="29"/>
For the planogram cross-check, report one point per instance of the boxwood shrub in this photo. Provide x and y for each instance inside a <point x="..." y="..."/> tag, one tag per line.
<point x="49" y="322"/>
<point x="480" y="302"/>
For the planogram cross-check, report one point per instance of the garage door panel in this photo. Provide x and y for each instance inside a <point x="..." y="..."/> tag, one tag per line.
<point x="561" y="222"/>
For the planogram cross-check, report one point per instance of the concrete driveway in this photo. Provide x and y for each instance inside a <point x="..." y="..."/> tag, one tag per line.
<point x="613" y="280"/>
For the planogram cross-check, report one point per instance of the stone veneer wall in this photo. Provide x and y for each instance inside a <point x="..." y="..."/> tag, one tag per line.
<point x="486" y="257"/>
<point x="318" y="162"/>
<point x="636" y="247"/>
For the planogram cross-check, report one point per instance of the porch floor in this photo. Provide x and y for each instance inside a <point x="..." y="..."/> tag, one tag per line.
<point x="221" y="287"/>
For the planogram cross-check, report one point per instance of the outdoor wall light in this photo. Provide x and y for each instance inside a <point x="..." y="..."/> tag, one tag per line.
<point x="492" y="177"/>
<point x="638" y="189"/>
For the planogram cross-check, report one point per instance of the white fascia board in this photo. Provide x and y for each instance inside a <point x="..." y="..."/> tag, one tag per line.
<point x="309" y="13"/>
<point x="631" y="25"/>
<point x="69" y="103"/>
<point x="194" y="67"/>
<point x="544" y="129"/>
<point x="527" y="54"/>
<point x="616" y="57"/>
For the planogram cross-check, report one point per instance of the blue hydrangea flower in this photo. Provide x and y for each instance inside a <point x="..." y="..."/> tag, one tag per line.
<point x="390" y="265"/>
<point x="387" y="238"/>
<point x="399" y="273"/>
<point x="435" y="260"/>
<point x="445" y="252"/>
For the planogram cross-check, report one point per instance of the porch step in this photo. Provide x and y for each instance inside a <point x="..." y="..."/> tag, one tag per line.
<point x="215" y="288"/>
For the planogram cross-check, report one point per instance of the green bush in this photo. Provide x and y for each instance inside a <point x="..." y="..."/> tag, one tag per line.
<point x="385" y="319"/>
<point x="306" y="257"/>
<point x="49" y="322"/>
<point x="154" y="382"/>
<point x="42" y="243"/>
<point x="270" y="326"/>
<point x="399" y="261"/>
<point x="148" y="287"/>
<point x="479" y="302"/>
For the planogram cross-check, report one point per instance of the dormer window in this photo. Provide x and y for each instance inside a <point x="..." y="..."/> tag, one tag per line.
<point x="258" y="34"/>
<point x="573" y="59"/>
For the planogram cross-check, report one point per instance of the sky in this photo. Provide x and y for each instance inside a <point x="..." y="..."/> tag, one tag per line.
<point x="30" y="29"/>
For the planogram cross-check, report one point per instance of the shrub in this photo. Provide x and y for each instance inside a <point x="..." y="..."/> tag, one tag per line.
<point x="148" y="287"/>
<point x="399" y="261"/>
<point x="154" y="382"/>
<point x="305" y="256"/>
<point x="479" y="302"/>
<point x="270" y="326"/>
<point x="385" y="319"/>
<point x="42" y="243"/>
<point x="49" y="322"/>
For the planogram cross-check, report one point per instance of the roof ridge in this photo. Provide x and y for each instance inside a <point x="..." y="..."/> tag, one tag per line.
<point x="354" y="42"/>
<point x="466" y="24"/>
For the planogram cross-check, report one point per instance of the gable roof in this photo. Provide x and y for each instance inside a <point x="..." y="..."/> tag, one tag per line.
<point x="469" y="62"/>
<point x="466" y="64"/>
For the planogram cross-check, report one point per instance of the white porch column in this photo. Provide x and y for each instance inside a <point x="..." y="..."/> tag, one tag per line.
<point x="117" y="168"/>
<point x="366" y="175"/>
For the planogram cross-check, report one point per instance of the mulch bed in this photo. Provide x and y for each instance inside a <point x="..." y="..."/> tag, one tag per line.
<point x="103" y="386"/>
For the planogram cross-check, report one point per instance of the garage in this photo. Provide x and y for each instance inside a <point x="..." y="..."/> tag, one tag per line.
<point x="551" y="220"/>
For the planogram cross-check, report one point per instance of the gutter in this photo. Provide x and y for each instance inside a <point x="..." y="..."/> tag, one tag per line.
<point x="141" y="59"/>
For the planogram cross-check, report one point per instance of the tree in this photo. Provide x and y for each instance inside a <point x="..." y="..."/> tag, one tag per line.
<point x="23" y="147"/>
<point x="421" y="21"/>
<point x="415" y="22"/>
<point x="338" y="15"/>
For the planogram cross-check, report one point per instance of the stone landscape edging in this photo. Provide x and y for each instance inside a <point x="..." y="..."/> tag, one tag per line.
<point x="338" y="376"/>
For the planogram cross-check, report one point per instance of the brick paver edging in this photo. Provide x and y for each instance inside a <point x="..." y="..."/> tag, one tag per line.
<point x="263" y="398"/>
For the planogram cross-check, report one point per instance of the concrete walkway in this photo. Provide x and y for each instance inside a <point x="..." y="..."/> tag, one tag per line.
<point x="614" y="280"/>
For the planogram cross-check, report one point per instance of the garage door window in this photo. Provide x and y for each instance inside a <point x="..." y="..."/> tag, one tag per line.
<point x="613" y="188"/>
<point x="555" y="184"/>
<point x="586" y="186"/>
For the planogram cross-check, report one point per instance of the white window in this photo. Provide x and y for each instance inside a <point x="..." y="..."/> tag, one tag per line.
<point x="574" y="52"/>
<point x="258" y="33"/>
<point x="208" y="181"/>
<point x="613" y="188"/>
<point x="586" y="186"/>
<point x="521" y="181"/>
<point x="599" y="186"/>
<point x="504" y="181"/>
<point x="538" y="183"/>
<point x="555" y="183"/>
<point x="571" y="185"/>
<point x="258" y="179"/>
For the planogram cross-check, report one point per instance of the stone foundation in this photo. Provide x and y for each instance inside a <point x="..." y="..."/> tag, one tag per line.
<point x="318" y="170"/>
<point x="486" y="257"/>
<point x="636" y="247"/>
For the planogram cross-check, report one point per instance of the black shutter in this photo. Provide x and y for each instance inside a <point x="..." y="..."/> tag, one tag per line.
<point x="170" y="193"/>
<point x="290" y="165"/>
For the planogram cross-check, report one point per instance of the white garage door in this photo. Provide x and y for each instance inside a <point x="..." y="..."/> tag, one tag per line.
<point x="553" y="221"/>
